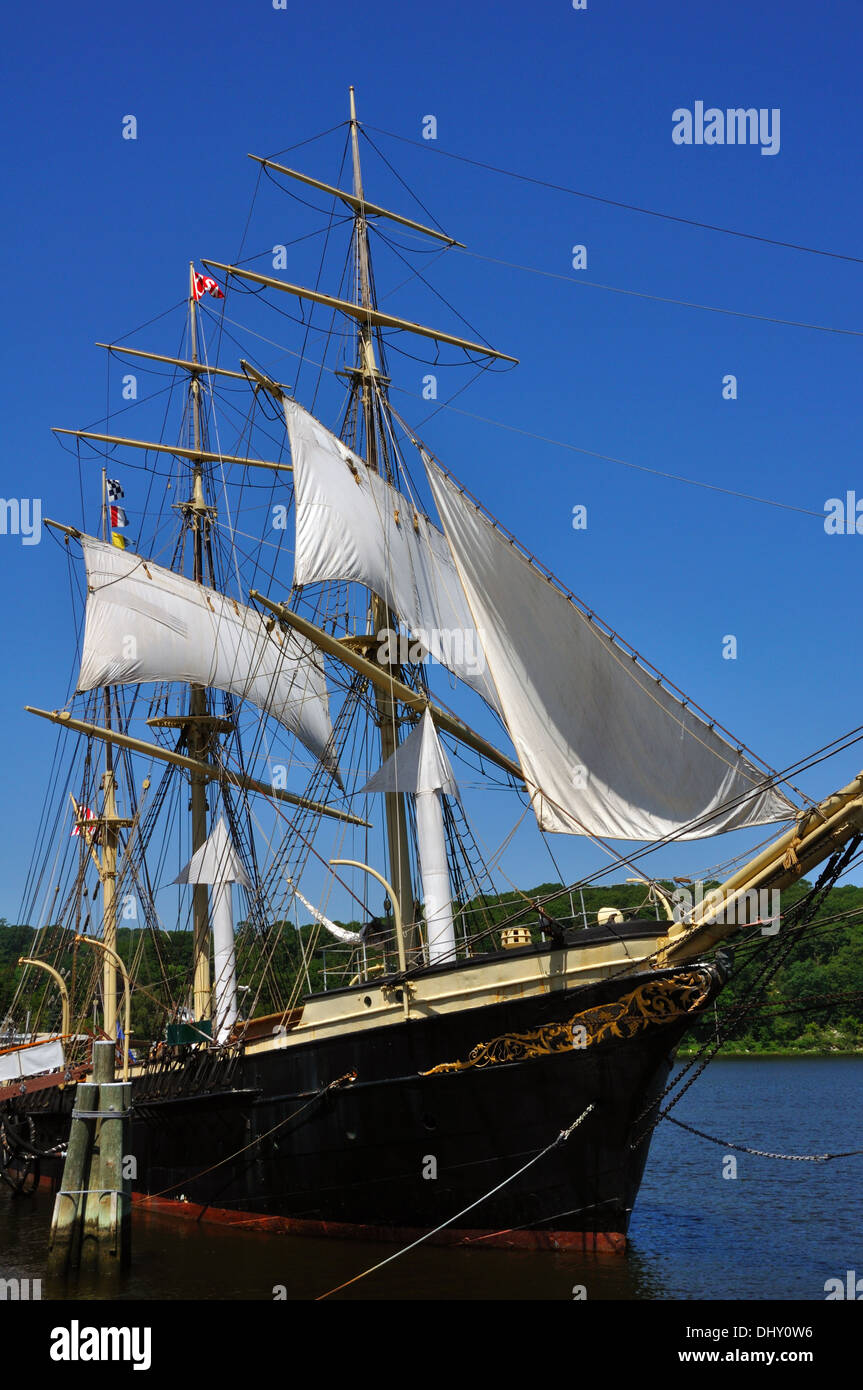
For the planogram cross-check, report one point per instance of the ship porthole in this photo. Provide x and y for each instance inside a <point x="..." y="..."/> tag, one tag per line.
<point x="367" y="1000"/>
<point x="430" y="1122"/>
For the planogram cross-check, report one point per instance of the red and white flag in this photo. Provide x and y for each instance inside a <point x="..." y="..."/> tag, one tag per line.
<point x="205" y="284"/>
<point x="118" y="517"/>
<point x="84" y="813"/>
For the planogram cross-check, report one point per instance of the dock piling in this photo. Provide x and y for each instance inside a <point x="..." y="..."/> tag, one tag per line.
<point x="91" y="1224"/>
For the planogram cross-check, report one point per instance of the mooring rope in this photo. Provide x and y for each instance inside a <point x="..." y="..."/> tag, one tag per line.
<point x="561" y="1139"/>
<point x="26" y="1147"/>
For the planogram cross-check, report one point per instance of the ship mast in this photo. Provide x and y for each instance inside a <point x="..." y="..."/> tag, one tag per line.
<point x="369" y="403"/>
<point x="197" y="724"/>
<point x="368" y="383"/>
<point x="198" y="727"/>
<point x="108" y="859"/>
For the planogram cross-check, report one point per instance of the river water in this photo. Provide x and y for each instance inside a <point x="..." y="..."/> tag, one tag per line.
<point x="777" y="1230"/>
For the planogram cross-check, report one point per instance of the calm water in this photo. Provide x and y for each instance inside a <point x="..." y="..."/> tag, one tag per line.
<point x="779" y="1230"/>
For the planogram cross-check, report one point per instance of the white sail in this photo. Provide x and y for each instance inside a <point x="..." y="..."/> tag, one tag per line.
<point x="352" y="525"/>
<point x="606" y="750"/>
<point x="30" y="1061"/>
<point x="146" y="623"/>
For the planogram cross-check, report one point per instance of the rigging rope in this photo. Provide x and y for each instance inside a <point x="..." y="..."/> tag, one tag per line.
<point x="801" y="914"/>
<point x="610" y="202"/>
<point x="667" y="299"/>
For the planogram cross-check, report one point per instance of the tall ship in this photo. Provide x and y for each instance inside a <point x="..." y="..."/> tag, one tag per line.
<point x="285" y="687"/>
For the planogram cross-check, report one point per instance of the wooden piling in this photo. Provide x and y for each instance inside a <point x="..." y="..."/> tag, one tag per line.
<point x="115" y="1198"/>
<point x="103" y="1062"/>
<point x="64" y="1250"/>
<point x="103" y="1074"/>
<point x="91" y="1225"/>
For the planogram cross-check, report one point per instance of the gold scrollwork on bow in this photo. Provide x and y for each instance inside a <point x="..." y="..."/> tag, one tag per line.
<point x="657" y="1001"/>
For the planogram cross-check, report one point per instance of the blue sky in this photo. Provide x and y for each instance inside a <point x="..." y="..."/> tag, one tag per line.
<point x="99" y="231"/>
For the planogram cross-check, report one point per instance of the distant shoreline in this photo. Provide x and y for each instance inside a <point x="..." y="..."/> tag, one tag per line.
<point x="690" y="1052"/>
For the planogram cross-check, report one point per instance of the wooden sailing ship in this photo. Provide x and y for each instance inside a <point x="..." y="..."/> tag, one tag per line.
<point x="442" y="1032"/>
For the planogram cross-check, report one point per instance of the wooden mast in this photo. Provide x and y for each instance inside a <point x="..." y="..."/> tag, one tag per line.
<point x="359" y="203"/>
<point x="197" y="456"/>
<point x="200" y="368"/>
<point x="343" y="650"/>
<point x="108" y="866"/>
<point x="366" y="383"/>
<point x="197" y="733"/>
<point x="817" y="834"/>
<point x="372" y="317"/>
<point x="211" y="772"/>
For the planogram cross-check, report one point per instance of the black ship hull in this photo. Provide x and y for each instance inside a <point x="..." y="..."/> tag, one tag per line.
<point x="401" y="1128"/>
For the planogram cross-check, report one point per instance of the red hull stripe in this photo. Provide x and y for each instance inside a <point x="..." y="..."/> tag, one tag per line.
<point x="603" y="1242"/>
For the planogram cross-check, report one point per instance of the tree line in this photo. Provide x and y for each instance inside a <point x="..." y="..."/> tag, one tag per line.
<point x="813" y="1001"/>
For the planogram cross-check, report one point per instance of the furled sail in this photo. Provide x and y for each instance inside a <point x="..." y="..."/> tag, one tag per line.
<point x="217" y="863"/>
<point x="605" y="748"/>
<point x="352" y="525"/>
<point x="146" y="623"/>
<point x="354" y="938"/>
<point x="420" y="766"/>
